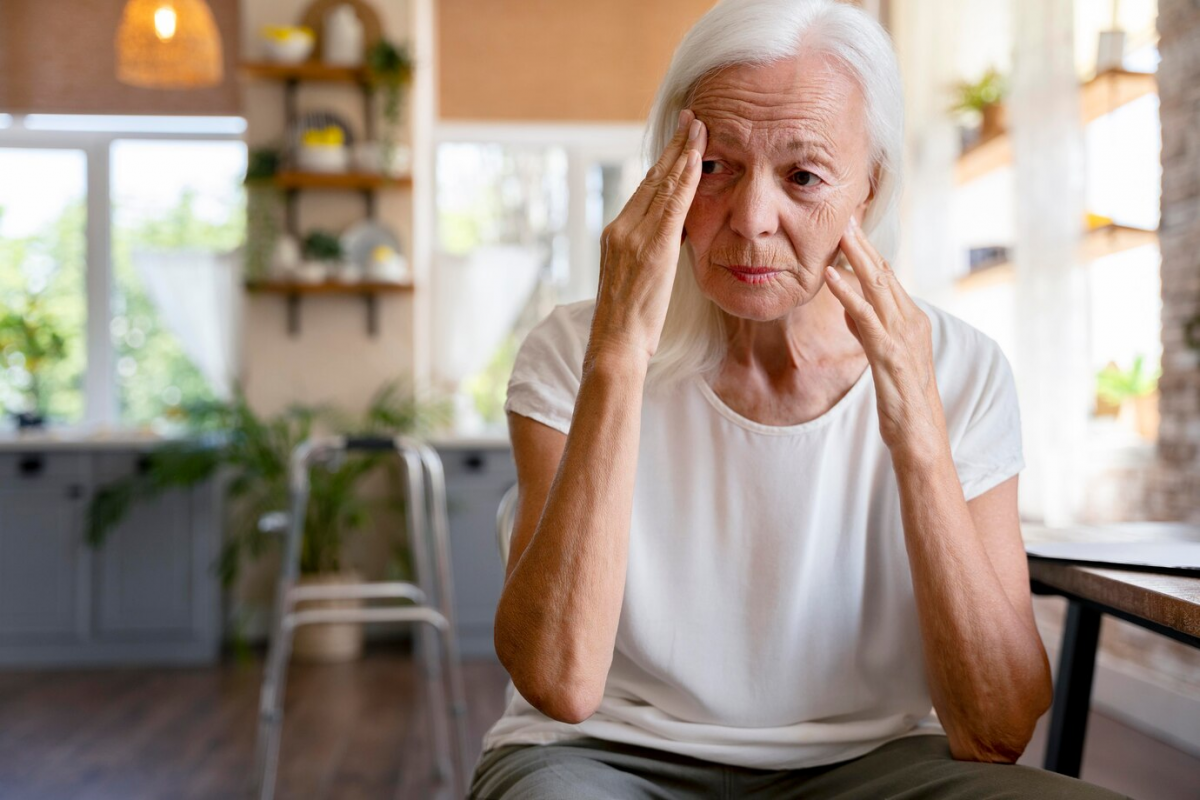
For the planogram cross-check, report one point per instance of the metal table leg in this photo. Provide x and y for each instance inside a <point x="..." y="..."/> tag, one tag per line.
<point x="1073" y="692"/>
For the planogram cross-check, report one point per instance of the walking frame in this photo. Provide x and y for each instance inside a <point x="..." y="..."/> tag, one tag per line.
<point x="431" y="595"/>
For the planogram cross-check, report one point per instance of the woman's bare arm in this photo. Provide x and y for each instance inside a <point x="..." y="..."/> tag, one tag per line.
<point x="557" y="619"/>
<point x="556" y="624"/>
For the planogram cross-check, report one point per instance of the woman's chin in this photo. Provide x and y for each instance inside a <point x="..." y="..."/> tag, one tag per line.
<point x="766" y="298"/>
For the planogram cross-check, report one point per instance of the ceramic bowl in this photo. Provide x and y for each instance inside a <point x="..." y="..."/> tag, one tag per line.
<point x="293" y="48"/>
<point x="323" y="158"/>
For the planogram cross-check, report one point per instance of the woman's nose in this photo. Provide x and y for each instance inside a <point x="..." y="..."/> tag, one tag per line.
<point x="755" y="211"/>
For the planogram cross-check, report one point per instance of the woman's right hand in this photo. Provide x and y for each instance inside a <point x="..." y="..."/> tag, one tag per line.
<point x="639" y="250"/>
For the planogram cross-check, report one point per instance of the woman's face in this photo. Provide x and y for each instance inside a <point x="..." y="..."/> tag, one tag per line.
<point x="785" y="167"/>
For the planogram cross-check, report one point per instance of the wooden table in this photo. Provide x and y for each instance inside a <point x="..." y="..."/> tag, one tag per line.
<point x="1164" y="602"/>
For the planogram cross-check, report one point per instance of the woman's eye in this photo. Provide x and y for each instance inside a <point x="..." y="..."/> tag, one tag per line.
<point x="803" y="177"/>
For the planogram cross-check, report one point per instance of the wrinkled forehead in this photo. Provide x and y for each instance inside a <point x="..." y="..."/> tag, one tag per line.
<point x="772" y="108"/>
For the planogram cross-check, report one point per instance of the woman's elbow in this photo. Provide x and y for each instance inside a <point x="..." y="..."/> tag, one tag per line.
<point x="995" y="746"/>
<point x="571" y="707"/>
<point x="560" y="700"/>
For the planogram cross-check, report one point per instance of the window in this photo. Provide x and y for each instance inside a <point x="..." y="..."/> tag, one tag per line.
<point x="176" y="207"/>
<point x="43" y="295"/>
<point x="117" y="235"/>
<point x="519" y="216"/>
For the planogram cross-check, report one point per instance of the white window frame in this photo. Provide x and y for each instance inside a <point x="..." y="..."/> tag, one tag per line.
<point x="95" y="137"/>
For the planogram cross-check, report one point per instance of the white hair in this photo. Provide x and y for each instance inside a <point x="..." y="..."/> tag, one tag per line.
<point x="694" y="338"/>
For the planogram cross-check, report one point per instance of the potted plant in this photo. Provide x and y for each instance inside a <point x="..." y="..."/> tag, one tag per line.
<point x="29" y="342"/>
<point x="251" y="456"/>
<point x="981" y="103"/>
<point x="262" y="210"/>
<point x="322" y="252"/>
<point x="1133" y="393"/>
<point x="389" y="69"/>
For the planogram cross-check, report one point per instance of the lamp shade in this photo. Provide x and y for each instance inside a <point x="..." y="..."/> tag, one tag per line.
<point x="168" y="44"/>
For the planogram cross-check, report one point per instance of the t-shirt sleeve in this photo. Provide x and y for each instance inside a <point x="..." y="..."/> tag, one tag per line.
<point x="990" y="451"/>
<point x="549" y="367"/>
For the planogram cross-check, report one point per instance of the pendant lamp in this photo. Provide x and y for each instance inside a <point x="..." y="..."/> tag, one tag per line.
<point x="168" y="44"/>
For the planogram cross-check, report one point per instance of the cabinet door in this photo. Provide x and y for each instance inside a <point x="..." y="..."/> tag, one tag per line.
<point x="145" y="581"/>
<point x="476" y="480"/>
<point x="43" y="559"/>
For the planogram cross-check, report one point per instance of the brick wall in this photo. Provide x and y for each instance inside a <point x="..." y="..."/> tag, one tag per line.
<point x="1173" y="489"/>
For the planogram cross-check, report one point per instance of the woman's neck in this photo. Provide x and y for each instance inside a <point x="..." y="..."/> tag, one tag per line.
<point x="812" y="336"/>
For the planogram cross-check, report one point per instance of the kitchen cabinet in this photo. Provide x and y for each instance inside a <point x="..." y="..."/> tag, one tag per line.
<point x="148" y="595"/>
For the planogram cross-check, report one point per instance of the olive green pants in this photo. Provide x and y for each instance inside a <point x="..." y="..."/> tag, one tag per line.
<point x="909" y="768"/>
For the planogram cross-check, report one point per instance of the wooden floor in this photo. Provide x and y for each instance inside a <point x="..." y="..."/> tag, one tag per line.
<point x="352" y="731"/>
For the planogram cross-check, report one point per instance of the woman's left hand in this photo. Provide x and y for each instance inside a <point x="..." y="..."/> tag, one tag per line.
<point x="896" y="335"/>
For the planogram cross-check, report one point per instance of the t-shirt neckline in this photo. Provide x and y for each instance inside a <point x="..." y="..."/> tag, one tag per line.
<point x="784" y="430"/>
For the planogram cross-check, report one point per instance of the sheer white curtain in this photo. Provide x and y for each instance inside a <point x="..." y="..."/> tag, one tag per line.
<point x="478" y="297"/>
<point x="198" y="296"/>
<point x="1051" y="367"/>
<point x="925" y="34"/>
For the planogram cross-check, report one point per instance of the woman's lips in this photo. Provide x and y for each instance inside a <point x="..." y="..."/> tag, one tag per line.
<point x="752" y="274"/>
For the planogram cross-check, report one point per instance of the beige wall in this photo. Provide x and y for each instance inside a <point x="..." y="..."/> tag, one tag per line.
<point x="59" y="57"/>
<point x="564" y="60"/>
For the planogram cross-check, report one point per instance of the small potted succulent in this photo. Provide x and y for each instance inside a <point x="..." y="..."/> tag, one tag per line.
<point x="322" y="254"/>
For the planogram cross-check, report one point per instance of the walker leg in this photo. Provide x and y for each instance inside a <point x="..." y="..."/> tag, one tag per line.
<point x="436" y="703"/>
<point x="458" y="712"/>
<point x="270" y="714"/>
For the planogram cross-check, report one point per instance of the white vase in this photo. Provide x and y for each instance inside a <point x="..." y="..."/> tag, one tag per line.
<point x="285" y="259"/>
<point x="342" y="39"/>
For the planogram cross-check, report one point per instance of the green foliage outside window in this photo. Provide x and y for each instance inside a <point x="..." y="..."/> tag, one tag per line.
<point x="46" y="271"/>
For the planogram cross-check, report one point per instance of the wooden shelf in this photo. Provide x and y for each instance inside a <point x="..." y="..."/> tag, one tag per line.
<point x="346" y="181"/>
<point x="983" y="158"/>
<point x="1112" y="238"/>
<point x="993" y="275"/>
<point x="304" y="71"/>
<point x="293" y="291"/>
<point x="327" y="287"/>
<point x="1102" y="95"/>
<point x="1106" y="240"/>
<point x="1114" y="88"/>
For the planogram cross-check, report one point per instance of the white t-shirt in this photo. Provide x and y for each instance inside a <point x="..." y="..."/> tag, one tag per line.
<point x="768" y="619"/>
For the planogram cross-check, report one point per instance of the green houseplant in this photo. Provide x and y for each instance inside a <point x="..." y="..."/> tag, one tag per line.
<point x="252" y="453"/>
<point x="30" y="340"/>
<point x="322" y="252"/>
<point x="1130" y="393"/>
<point x="322" y="246"/>
<point x="262" y="209"/>
<point x="389" y="69"/>
<point x="982" y="102"/>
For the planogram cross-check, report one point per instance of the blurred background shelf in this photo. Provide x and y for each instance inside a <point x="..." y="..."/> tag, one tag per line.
<point x="293" y="291"/>
<point x="306" y="71"/>
<point x="1105" y="240"/>
<point x="1103" y="94"/>
<point x="327" y="287"/>
<point x="349" y="181"/>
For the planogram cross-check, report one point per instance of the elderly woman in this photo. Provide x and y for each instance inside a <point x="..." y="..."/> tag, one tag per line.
<point x="767" y="520"/>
